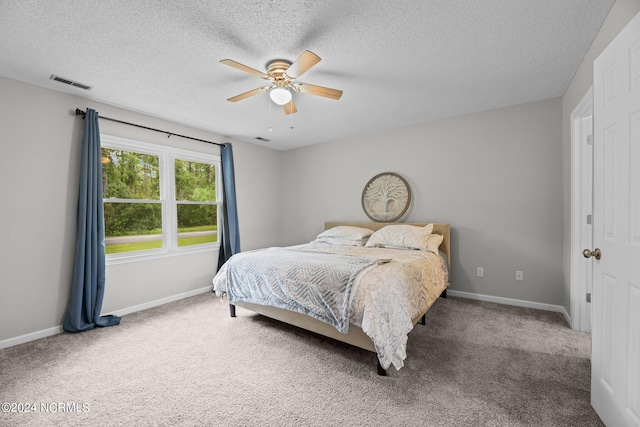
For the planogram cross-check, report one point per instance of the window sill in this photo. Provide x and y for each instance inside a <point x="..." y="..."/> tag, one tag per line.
<point x="151" y="255"/>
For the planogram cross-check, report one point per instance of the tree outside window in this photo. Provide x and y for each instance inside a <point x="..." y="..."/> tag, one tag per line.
<point x="132" y="205"/>
<point x="157" y="199"/>
<point x="196" y="206"/>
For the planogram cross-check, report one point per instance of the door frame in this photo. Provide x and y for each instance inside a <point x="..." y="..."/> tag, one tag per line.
<point x="580" y="308"/>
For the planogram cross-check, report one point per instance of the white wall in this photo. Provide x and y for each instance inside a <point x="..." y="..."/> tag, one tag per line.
<point x="39" y="168"/>
<point x="619" y="15"/>
<point x="496" y="177"/>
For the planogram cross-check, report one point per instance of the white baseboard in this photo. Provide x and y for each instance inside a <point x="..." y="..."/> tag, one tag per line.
<point x="567" y="318"/>
<point x="22" y="339"/>
<point x="58" y="329"/>
<point x="510" y="301"/>
<point x="160" y="301"/>
<point x="10" y="342"/>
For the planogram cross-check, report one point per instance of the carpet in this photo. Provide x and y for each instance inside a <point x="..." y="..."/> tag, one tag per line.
<point x="188" y="363"/>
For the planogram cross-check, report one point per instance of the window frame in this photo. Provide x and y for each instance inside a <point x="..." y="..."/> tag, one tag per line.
<point x="166" y="169"/>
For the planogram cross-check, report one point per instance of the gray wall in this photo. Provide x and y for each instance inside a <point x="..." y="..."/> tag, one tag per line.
<point x="39" y="159"/>
<point x="496" y="177"/>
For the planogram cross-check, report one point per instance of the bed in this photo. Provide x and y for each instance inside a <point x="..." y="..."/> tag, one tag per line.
<point x="389" y="287"/>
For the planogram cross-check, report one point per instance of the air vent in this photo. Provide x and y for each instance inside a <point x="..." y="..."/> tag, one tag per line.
<point x="259" y="138"/>
<point x="69" y="82"/>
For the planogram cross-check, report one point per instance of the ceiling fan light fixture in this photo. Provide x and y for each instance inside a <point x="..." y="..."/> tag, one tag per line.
<point x="280" y="95"/>
<point x="281" y="74"/>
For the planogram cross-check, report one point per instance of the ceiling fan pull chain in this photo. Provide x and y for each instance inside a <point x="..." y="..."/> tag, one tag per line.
<point x="291" y="109"/>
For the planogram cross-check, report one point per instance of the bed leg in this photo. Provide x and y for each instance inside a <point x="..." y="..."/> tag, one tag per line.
<point x="444" y="294"/>
<point x="381" y="371"/>
<point x="232" y="310"/>
<point x="423" y="321"/>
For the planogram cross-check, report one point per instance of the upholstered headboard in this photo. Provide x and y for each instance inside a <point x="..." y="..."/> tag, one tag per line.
<point x="438" y="228"/>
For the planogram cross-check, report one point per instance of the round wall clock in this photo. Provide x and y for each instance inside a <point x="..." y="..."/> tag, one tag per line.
<point x="386" y="197"/>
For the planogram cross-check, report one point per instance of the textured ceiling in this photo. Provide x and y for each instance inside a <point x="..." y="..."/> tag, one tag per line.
<point x="398" y="63"/>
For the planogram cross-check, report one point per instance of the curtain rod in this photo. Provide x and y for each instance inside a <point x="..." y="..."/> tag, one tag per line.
<point x="79" y="112"/>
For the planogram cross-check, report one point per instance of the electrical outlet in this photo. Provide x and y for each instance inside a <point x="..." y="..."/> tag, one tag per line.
<point x="519" y="276"/>
<point x="480" y="272"/>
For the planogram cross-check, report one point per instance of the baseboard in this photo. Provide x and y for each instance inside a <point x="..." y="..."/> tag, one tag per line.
<point x="22" y="339"/>
<point x="160" y="301"/>
<point x="567" y="318"/>
<point x="10" y="342"/>
<point x="510" y="301"/>
<point x="58" y="329"/>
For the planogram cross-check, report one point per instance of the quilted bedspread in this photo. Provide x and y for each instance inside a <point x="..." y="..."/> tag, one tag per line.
<point x="316" y="284"/>
<point x="379" y="290"/>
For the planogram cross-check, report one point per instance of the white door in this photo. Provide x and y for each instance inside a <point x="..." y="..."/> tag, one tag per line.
<point x="615" y="376"/>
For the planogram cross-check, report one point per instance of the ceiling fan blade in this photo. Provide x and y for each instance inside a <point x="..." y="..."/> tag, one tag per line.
<point x="301" y="65"/>
<point x="319" y="90"/>
<point x="242" y="67"/>
<point x="290" y="107"/>
<point x="248" y="94"/>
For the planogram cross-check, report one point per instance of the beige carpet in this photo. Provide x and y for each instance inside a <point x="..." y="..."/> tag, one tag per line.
<point x="189" y="364"/>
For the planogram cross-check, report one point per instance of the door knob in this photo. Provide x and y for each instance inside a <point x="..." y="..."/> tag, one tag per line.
<point x="596" y="253"/>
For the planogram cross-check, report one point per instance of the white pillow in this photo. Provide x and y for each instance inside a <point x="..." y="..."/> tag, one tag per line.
<point x="433" y="242"/>
<point x="401" y="236"/>
<point x="341" y="241"/>
<point x="346" y="232"/>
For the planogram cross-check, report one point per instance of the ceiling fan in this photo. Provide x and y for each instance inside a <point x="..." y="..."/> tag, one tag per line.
<point x="282" y="73"/>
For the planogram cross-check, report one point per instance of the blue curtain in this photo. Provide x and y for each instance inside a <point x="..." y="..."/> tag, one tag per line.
<point x="229" y="236"/>
<point x="87" y="287"/>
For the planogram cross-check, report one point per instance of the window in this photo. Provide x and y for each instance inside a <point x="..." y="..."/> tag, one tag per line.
<point x="197" y="211"/>
<point x="157" y="200"/>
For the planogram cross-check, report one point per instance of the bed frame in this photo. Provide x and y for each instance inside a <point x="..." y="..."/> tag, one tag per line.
<point x="356" y="335"/>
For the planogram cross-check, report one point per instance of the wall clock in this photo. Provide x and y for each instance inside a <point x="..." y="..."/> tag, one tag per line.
<point x="386" y="197"/>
